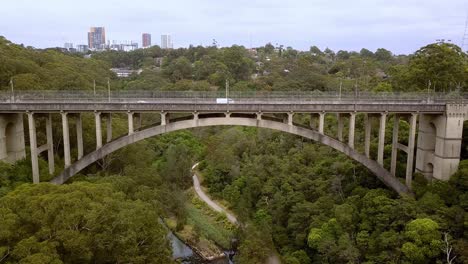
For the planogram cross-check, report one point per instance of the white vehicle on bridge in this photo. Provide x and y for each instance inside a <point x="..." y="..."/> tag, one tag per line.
<point x="224" y="101"/>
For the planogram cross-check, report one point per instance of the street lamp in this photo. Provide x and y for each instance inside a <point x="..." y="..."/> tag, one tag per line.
<point x="12" y="90"/>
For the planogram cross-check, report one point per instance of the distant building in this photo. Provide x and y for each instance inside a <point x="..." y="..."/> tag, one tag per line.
<point x="166" y="42"/>
<point x="124" y="73"/>
<point x="82" y="48"/>
<point x="146" y="40"/>
<point x="126" y="46"/>
<point x="68" y="46"/>
<point x="97" y="38"/>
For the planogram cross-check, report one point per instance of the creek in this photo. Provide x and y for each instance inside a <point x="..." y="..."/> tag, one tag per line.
<point x="181" y="251"/>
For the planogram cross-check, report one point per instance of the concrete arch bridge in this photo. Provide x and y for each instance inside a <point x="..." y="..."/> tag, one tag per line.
<point x="436" y="119"/>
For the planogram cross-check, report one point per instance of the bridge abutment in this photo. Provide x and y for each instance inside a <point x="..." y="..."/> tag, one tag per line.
<point x="439" y="143"/>
<point x="12" y="147"/>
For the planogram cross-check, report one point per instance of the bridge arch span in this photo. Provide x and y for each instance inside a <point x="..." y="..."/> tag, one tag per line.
<point x="381" y="173"/>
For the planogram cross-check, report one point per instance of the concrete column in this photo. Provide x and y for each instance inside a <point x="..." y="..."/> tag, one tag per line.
<point x="340" y="126"/>
<point x="195" y="119"/>
<point x="109" y="127"/>
<point x="396" y="125"/>
<point x="33" y="143"/>
<point x="259" y="116"/>
<point x="227" y="114"/>
<point x="352" y="122"/>
<point x="3" y="138"/>
<point x="367" y="135"/>
<point x="448" y="143"/>
<point x="50" y="144"/>
<point x="410" y="158"/>
<point x="130" y="123"/>
<point x="79" y="135"/>
<point x="66" y="140"/>
<point x="290" y="118"/>
<point x="163" y="118"/>
<point x="380" y="151"/>
<point x="321" y="122"/>
<point x="97" y="117"/>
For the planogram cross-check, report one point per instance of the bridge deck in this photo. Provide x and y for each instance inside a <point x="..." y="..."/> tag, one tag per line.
<point x="150" y="101"/>
<point x="239" y="106"/>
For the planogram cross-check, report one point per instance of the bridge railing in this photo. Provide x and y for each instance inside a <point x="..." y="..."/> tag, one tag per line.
<point x="148" y="95"/>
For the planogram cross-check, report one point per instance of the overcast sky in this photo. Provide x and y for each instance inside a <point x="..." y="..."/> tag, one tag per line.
<point x="401" y="26"/>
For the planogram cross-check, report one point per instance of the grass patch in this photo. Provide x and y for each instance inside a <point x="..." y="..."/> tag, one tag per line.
<point x="209" y="224"/>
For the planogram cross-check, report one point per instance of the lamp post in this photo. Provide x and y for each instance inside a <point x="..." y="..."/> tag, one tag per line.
<point x="227" y="88"/>
<point x="108" y="89"/>
<point x="341" y="82"/>
<point x="12" y="90"/>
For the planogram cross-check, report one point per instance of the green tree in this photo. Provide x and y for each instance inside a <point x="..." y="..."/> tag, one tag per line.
<point x="79" y="223"/>
<point x="424" y="240"/>
<point x="439" y="66"/>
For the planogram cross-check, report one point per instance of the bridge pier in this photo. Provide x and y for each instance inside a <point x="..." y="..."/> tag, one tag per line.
<point x="380" y="150"/>
<point x="396" y="124"/>
<point x="290" y="118"/>
<point x="50" y="144"/>
<point x="367" y="134"/>
<point x="79" y="135"/>
<point x="339" y="116"/>
<point x="352" y="123"/>
<point x="109" y="127"/>
<point x="33" y="147"/>
<point x="311" y="121"/>
<point x="97" y="118"/>
<point x="66" y="139"/>
<point x="138" y="118"/>
<point x="410" y="152"/>
<point x="130" y="123"/>
<point x="321" y="122"/>
<point x="164" y="118"/>
<point x="195" y="119"/>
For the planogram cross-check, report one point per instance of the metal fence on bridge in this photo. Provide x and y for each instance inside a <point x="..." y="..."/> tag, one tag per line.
<point x="149" y="95"/>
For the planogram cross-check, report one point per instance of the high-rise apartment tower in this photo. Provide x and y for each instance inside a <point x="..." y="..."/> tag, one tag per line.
<point x="97" y="38"/>
<point x="146" y="40"/>
<point x="166" y="42"/>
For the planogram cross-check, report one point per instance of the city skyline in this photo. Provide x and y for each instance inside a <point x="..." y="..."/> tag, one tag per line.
<point x="401" y="27"/>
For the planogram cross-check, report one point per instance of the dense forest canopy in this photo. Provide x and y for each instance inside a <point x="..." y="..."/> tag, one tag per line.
<point x="302" y="200"/>
<point x="441" y="67"/>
